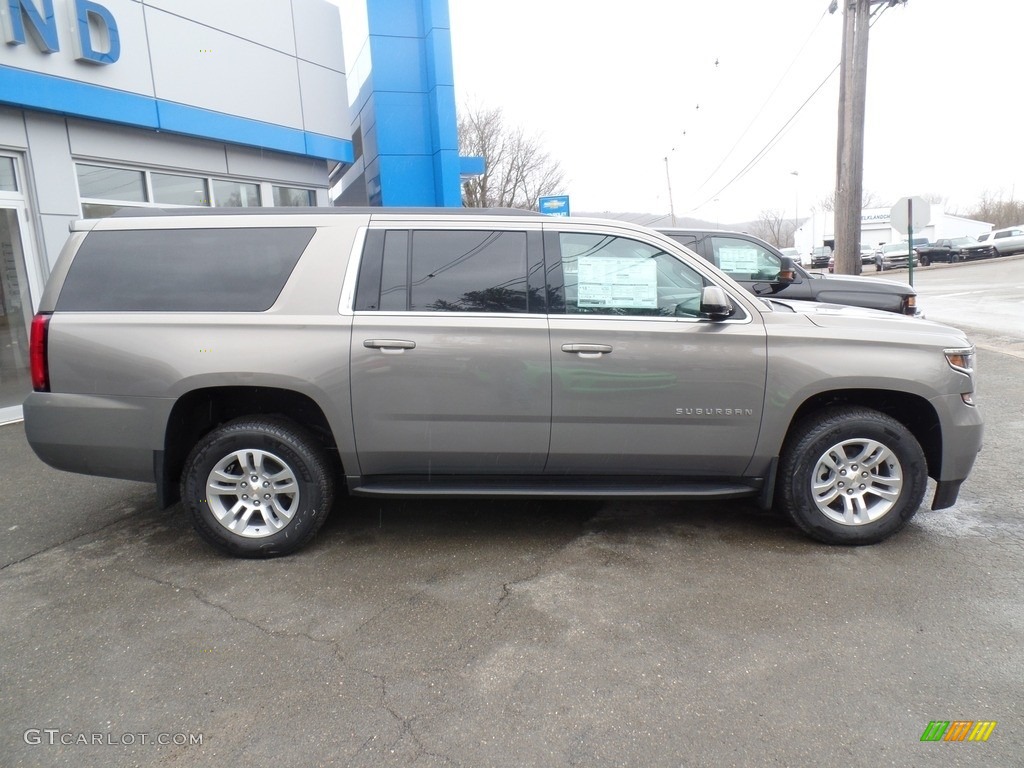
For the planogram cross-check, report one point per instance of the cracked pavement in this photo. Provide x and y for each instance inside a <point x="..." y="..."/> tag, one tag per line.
<point x="484" y="633"/>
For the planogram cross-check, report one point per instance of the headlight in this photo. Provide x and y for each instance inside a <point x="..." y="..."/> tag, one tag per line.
<point x="961" y="359"/>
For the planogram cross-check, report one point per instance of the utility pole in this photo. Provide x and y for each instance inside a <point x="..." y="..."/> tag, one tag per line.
<point x="853" y="72"/>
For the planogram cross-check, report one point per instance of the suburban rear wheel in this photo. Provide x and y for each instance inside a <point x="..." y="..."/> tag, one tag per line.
<point x="851" y="475"/>
<point x="257" y="487"/>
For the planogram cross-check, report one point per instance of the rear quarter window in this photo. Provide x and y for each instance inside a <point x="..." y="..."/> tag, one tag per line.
<point x="182" y="270"/>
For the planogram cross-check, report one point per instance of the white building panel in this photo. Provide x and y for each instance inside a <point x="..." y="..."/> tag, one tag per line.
<point x="202" y="67"/>
<point x="324" y="98"/>
<point x="266" y="22"/>
<point x="312" y="18"/>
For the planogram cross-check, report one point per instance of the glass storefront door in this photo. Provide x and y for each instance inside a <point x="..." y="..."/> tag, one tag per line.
<point x="15" y="312"/>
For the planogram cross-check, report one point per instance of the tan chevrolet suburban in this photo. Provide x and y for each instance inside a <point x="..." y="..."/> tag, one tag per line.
<point x="256" y="363"/>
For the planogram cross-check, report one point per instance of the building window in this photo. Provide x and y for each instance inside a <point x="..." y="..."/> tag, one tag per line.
<point x="235" y="194"/>
<point x="103" y="183"/>
<point x="293" y="196"/>
<point x="104" y="190"/>
<point x="179" y="190"/>
<point x="8" y="182"/>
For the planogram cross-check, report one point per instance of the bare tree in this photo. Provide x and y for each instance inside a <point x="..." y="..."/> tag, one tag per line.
<point x="998" y="212"/>
<point x="517" y="169"/>
<point x="773" y="227"/>
<point x="868" y="199"/>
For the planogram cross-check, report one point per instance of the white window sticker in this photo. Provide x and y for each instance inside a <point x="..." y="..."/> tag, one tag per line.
<point x="606" y="281"/>
<point x="737" y="259"/>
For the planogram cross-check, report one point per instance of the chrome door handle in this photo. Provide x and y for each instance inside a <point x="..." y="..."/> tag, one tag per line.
<point x="389" y="346"/>
<point x="588" y="350"/>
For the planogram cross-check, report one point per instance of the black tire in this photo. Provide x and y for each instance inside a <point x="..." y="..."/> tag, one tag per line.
<point x="923" y="261"/>
<point x="815" y="450"/>
<point x="294" y="481"/>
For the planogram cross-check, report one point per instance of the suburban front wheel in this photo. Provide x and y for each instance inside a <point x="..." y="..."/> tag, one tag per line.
<point x="257" y="487"/>
<point x="851" y="476"/>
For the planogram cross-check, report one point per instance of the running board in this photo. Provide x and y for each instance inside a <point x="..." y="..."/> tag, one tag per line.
<point x="555" y="487"/>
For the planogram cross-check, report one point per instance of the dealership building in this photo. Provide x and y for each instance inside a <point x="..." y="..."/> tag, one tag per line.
<point x="106" y="104"/>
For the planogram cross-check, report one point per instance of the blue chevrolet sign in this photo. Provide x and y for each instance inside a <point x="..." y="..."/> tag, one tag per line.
<point x="554" y="205"/>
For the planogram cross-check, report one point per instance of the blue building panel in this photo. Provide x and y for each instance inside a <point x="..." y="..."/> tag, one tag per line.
<point x="399" y="63"/>
<point x="32" y="90"/>
<point x="411" y="110"/>
<point x="448" y="179"/>
<point x="444" y="129"/>
<point x="403" y="124"/>
<point x="403" y="179"/>
<point x="472" y="165"/>
<point x="401" y="18"/>
<point x="194" y="121"/>
<point x="439" y="57"/>
<point x="435" y="14"/>
<point x="329" y="147"/>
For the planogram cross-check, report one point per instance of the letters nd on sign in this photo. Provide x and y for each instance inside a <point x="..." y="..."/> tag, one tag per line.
<point x="95" y="39"/>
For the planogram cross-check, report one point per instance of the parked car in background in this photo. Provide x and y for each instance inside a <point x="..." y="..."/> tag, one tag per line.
<point x="894" y="255"/>
<point x="1008" y="240"/>
<point x="793" y="253"/>
<point x="867" y="254"/>
<point x="759" y="268"/>
<point x="952" y="250"/>
<point x="820" y="256"/>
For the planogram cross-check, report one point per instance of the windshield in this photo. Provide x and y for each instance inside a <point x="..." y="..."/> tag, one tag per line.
<point x="894" y="248"/>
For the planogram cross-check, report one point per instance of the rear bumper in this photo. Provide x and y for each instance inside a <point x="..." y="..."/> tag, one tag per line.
<point x="91" y="435"/>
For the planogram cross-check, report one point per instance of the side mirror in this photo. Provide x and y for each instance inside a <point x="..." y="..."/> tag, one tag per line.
<point x="787" y="272"/>
<point x="715" y="304"/>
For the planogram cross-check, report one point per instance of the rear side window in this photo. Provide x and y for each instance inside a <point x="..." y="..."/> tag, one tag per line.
<point x="448" y="271"/>
<point x="182" y="270"/>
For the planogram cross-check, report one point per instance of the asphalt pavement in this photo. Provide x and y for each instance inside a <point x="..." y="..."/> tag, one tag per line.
<point x="482" y="633"/>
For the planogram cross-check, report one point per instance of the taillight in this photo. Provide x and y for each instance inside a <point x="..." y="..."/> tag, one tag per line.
<point x="37" y="353"/>
<point x="910" y="305"/>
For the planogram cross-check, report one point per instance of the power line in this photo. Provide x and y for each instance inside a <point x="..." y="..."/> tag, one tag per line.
<point x="774" y="139"/>
<point x="765" y="104"/>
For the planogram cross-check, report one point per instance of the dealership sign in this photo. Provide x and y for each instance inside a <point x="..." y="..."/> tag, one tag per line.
<point x="94" y="35"/>
<point x="554" y="205"/>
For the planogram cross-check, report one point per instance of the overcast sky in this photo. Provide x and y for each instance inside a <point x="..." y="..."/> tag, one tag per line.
<point x="613" y="88"/>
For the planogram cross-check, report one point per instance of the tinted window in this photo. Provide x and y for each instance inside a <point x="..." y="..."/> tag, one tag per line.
<point x="690" y="241"/>
<point x="607" y="275"/>
<point x="394" y="275"/>
<point x="467" y="272"/>
<point x="183" y="270"/>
